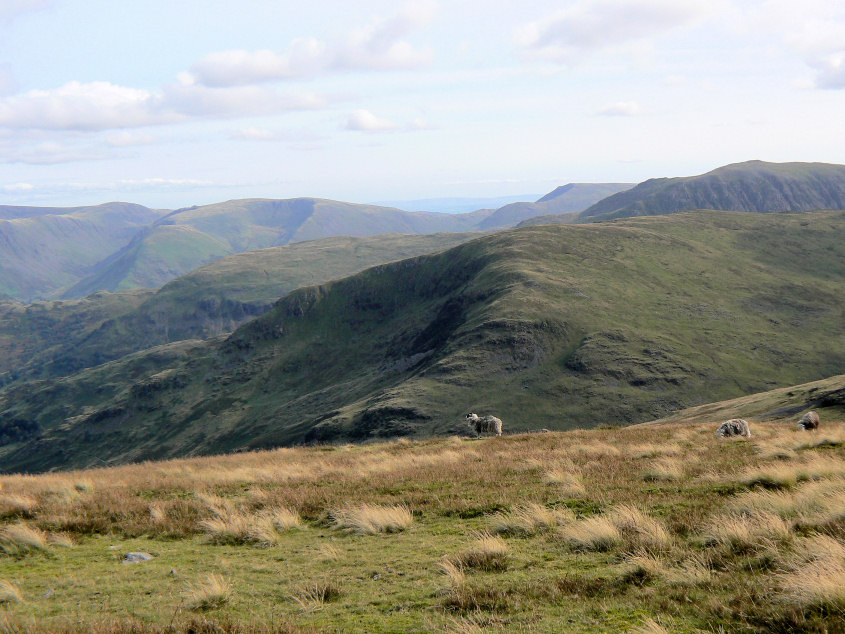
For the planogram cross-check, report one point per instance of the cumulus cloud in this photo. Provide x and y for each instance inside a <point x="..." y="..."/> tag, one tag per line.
<point x="90" y="106"/>
<point x="366" y="121"/>
<point x="590" y="25"/>
<point x="815" y="32"/>
<point x="621" y="109"/>
<point x="377" y="46"/>
<point x="98" y="106"/>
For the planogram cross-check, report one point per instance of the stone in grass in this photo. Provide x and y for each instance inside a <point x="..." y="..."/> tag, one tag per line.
<point x="136" y="558"/>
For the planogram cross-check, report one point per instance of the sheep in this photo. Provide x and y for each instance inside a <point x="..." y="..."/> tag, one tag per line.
<point x="734" y="427"/>
<point x="810" y="420"/>
<point x="480" y="424"/>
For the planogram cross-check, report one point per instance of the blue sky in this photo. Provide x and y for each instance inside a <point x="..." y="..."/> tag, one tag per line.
<point x="180" y="102"/>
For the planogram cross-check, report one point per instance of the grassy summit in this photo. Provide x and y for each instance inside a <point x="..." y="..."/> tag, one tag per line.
<point x="660" y="528"/>
<point x="558" y="327"/>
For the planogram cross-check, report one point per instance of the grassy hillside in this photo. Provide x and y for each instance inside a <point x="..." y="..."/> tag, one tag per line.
<point x="557" y="327"/>
<point x="646" y="529"/>
<point x="749" y="186"/>
<point x="41" y="252"/>
<point x="52" y="339"/>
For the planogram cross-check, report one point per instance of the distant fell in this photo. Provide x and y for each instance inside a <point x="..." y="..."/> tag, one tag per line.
<point x="750" y="186"/>
<point x="556" y="326"/>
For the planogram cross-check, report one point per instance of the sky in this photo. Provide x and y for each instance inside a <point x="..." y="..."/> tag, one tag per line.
<point x="170" y="103"/>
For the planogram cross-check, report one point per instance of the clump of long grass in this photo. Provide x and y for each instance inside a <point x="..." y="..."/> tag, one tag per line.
<point x="593" y="533"/>
<point x="20" y="539"/>
<point x="664" y="470"/>
<point x="369" y="519"/>
<point x="567" y="482"/>
<point x="9" y="592"/>
<point x="314" y="596"/>
<point x="488" y="552"/>
<point x="214" y="592"/>
<point x="529" y="519"/>
<point x="17" y="505"/>
<point x="638" y="529"/>
<point x="742" y="531"/>
<point x="815" y="579"/>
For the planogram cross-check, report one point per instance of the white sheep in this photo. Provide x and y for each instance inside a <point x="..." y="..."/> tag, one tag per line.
<point x="734" y="427"/>
<point x="810" y="420"/>
<point x="482" y="424"/>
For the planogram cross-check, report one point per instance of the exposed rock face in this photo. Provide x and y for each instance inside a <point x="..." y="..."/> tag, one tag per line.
<point x="810" y="420"/>
<point x="734" y="427"/>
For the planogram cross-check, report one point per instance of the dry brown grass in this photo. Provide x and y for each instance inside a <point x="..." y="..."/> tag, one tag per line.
<point x="593" y="533"/>
<point x="815" y="578"/>
<point x="214" y="592"/>
<point x="9" y="592"/>
<point x="369" y="519"/>
<point x="20" y="539"/>
<point x="530" y="519"/>
<point x="314" y="596"/>
<point x="747" y="530"/>
<point x="488" y="552"/>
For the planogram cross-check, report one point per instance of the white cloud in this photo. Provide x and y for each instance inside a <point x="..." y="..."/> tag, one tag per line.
<point x="18" y="187"/>
<point x="815" y="32"/>
<point x="621" y="109"/>
<point x="590" y="25"/>
<point x="378" y="46"/>
<point x="98" y="106"/>
<point x="366" y="121"/>
<point x="76" y="106"/>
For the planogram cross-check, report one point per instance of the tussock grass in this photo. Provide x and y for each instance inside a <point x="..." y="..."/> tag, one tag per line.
<point x="20" y="539"/>
<point x="567" y="482"/>
<point x="530" y="519"/>
<point x="314" y="596"/>
<point x="638" y="529"/>
<point x="664" y="470"/>
<point x="593" y="533"/>
<point x="815" y="578"/>
<point x="214" y="592"/>
<point x="17" y="505"/>
<point x="9" y="592"/>
<point x="488" y="552"/>
<point x="740" y="532"/>
<point x="369" y="519"/>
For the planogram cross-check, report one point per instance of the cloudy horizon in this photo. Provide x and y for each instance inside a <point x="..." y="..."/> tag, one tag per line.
<point x="174" y="104"/>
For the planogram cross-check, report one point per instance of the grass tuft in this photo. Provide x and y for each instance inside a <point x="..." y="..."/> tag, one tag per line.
<point x="213" y="593"/>
<point x="370" y="519"/>
<point x="9" y="592"/>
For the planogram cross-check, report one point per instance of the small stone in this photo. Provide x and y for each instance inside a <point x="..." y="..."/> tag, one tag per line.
<point x="136" y="558"/>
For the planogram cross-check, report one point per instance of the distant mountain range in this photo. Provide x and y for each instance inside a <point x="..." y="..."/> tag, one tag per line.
<point x="70" y="253"/>
<point x="553" y="326"/>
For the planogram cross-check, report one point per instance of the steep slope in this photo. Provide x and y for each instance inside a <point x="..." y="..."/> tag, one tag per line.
<point x="52" y="339"/>
<point x="749" y="186"/>
<point x="555" y="326"/>
<point x="566" y="199"/>
<point x="41" y="252"/>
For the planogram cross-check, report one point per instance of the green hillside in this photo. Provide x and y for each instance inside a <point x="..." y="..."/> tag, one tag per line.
<point x="558" y="326"/>
<point x="749" y="186"/>
<point x="41" y="252"/>
<point x="55" y="338"/>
